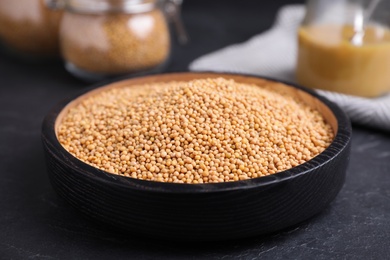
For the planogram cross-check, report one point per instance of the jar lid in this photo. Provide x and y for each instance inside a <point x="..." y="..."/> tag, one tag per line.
<point x="109" y="6"/>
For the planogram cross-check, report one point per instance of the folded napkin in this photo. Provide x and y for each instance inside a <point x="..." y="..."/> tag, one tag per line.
<point x="273" y="53"/>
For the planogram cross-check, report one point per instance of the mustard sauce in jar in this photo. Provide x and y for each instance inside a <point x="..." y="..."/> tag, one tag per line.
<point x="328" y="60"/>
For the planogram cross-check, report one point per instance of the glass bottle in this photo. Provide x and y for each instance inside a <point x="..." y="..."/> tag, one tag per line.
<point x="29" y="28"/>
<point x="105" y="38"/>
<point x="344" y="46"/>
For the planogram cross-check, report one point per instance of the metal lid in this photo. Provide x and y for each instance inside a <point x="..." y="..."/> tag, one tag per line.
<point x="104" y="6"/>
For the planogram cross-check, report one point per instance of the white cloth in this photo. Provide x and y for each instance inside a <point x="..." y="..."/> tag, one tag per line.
<point x="273" y="54"/>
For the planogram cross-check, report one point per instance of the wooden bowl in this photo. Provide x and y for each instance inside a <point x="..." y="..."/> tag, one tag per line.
<point x="201" y="211"/>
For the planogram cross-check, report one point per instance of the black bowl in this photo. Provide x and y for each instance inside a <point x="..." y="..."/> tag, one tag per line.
<point x="202" y="211"/>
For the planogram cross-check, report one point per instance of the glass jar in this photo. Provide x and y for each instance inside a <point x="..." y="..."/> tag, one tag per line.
<point x="28" y="27"/>
<point x="344" y="46"/>
<point x="104" y="38"/>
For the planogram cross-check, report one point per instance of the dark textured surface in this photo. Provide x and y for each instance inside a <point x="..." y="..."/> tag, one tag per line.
<point x="36" y="224"/>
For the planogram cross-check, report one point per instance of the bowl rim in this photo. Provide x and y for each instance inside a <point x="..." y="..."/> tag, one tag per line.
<point x="339" y="143"/>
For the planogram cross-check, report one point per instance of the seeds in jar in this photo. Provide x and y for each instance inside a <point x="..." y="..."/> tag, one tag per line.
<point x="115" y="43"/>
<point x="200" y="131"/>
<point x="29" y="26"/>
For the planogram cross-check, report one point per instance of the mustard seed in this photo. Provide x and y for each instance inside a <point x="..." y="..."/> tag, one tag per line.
<point x="237" y="132"/>
<point x="115" y="43"/>
<point x="30" y="27"/>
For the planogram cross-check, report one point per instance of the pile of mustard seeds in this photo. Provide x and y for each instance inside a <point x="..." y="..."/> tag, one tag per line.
<point x="201" y="131"/>
<point x="111" y="44"/>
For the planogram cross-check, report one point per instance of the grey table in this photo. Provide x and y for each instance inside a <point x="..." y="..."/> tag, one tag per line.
<point x="36" y="224"/>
